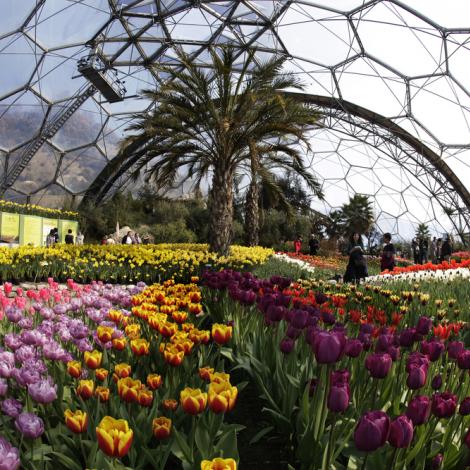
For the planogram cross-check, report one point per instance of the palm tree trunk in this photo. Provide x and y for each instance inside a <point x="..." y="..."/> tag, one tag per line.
<point x="221" y="211"/>
<point x="252" y="202"/>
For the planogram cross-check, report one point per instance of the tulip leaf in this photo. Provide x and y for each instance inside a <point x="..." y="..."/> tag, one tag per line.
<point x="180" y="447"/>
<point x="227" y="352"/>
<point x="67" y="462"/>
<point x="260" y="434"/>
<point x="227" y="445"/>
<point x="203" y="443"/>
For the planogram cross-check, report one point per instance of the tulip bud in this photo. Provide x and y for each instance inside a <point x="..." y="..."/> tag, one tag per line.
<point x="161" y="428"/>
<point x="287" y="345"/>
<point x="444" y="404"/>
<point x="401" y="432"/>
<point x="378" y="364"/>
<point x="328" y="346"/>
<point x="353" y="348"/>
<point x="463" y="360"/>
<point x="372" y="431"/>
<point x="417" y="376"/>
<point x="436" y="382"/>
<point x="419" y="409"/>
<point x="338" y="398"/>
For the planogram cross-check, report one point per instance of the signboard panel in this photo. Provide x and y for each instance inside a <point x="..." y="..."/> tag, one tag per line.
<point x="10" y="228"/>
<point x="31" y="233"/>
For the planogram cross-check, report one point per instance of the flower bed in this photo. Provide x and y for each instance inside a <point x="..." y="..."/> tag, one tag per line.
<point x="95" y="373"/>
<point x="33" y="209"/>
<point x="121" y="263"/>
<point x="354" y="388"/>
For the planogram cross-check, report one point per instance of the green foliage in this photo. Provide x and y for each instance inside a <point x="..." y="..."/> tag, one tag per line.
<point x="172" y="232"/>
<point x="422" y="231"/>
<point x="277" y="267"/>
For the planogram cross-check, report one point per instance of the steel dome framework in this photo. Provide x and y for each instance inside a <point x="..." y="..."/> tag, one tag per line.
<point x="391" y="83"/>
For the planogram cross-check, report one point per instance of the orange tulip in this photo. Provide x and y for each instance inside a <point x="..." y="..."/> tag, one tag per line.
<point x="102" y="393"/>
<point x="105" y="333"/>
<point x="74" y="368"/>
<point x="221" y="334"/>
<point x="161" y="427"/>
<point x="145" y="397"/>
<point x="128" y="389"/>
<point x="140" y="347"/>
<point x="205" y="373"/>
<point x="93" y="359"/>
<point x="222" y="397"/>
<point x="170" y="404"/>
<point x="101" y="374"/>
<point x="85" y="389"/>
<point x="76" y="421"/>
<point x="219" y="464"/>
<point x="154" y="381"/>
<point x="173" y="356"/>
<point x="193" y="401"/>
<point x="194" y="279"/>
<point x="114" y="436"/>
<point x="132" y="331"/>
<point x="119" y="344"/>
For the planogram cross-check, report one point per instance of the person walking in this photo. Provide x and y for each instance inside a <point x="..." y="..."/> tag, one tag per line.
<point x="79" y="239"/>
<point x="432" y="251"/>
<point x="357" y="266"/>
<point x="313" y="244"/>
<point x="387" y="261"/>
<point x="423" y="250"/>
<point x="439" y="250"/>
<point x="69" y="237"/>
<point x="415" y="250"/>
<point x="298" y="245"/>
<point x="50" y="239"/>
<point x="446" y="251"/>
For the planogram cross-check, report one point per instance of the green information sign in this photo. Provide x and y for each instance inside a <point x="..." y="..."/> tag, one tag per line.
<point x="31" y="230"/>
<point x="65" y="226"/>
<point x="9" y="228"/>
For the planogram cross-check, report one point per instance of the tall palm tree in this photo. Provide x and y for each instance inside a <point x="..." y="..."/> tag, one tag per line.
<point x="357" y="214"/>
<point x="212" y="122"/>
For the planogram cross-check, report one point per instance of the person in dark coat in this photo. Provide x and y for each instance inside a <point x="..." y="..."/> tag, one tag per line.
<point x="313" y="244"/>
<point x="387" y="260"/>
<point x="69" y="237"/>
<point x="446" y="250"/>
<point x="415" y="250"/>
<point x="357" y="266"/>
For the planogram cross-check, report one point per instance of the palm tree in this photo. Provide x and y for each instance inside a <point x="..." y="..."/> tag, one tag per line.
<point x="422" y="231"/>
<point x="218" y="121"/>
<point x="357" y="215"/>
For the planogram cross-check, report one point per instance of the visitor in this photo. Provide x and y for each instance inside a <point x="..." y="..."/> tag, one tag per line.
<point x="313" y="244"/>
<point x="79" y="239"/>
<point x="69" y="237"/>
<point x="357" y="266"/>
<point x="423" y="250"/>
<point x="127" y="239"/>
<point x="146" y="240"/>
<point x="439" y="250"/>
<point x="298" y="245"/>
<point x="446" y="250"/>
<point x="50" y="239"/>
<point x="432" y="251"/>
<point x="56" y="235"/>
<point x="110" y="240"/>
<point x="415" y="250"/>
<point x="388" y="254"/>
<point x="138" y="240"/>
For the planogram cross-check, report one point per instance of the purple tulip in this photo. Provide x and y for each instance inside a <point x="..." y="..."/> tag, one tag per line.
<point x="463" y="360"/>
<point x="384" y="341"/>
<point x="464" y="408"/>
<point x="401" y="432"/>
<point x="340" y="377"/>
<point x="328" y="347"/>
<point x="11" y="407"/>
<point x="313" y="384"/>
<point x="320" y="298"/>
<point x="12" y="341"/>
<point x="417" y="376"/>
<point x="299" y="319"/>
<point x="454" y="348"/>
<point x="436" y="382"/>
<point x="372" y="431"/>
<point x="25" y="353"/>
<point x="338" y="398"/>
<point x="416" y="359"/>
<point x="9" y="455"/>
<point x="423" y="327"/>
<point x="275" y="313"/>
<point x="436" y="462"/>
<point x="433" y="349"/>
<point x="407" y="337"/>
<point x="444" y="404"/>
<point x="43" y="391"/>
<point x="293" y="332"/>
<point x="366" y="328"/>
<point x="394" y="352"/>
<point x="419" y="409"/>
<point x="287" y="345"/>
<point x="30" y="425"/>
<point x="378" y="364"/>
<point x="353" y="348"/>
<point x="3" y="387"/>
<point x="14" y="314"/>
<point x="26" y="323"/>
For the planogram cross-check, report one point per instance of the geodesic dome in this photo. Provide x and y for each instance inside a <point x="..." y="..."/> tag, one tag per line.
<point x="388" y="76"/>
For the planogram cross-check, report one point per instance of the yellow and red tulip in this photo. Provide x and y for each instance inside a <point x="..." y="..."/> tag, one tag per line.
<point x="119" y="344"/>
<point x="93" y="359"/>
<point x="105" y="333"/>
<point x="128" y="389"/>
<point x="193" y="400"/>
<point x="205" y="373"/>
<point x="85" y="389"/>
<point x="74" y="369"/>
<point x="140" y="346"/>
<point x="122" y="370"/>
<point x="221" y="334"/>
<point x="179" y="316"/>
<point x="173" y="356"/>
<point x="222" y="397"/>
<point x="76" y="421"/>
<point x="219" y="464"/>
<point x="101" y="374"/>
<point x="114" y="436"/>
<point x="154" y="381"/>
<point x="102" y="393"/>
<point x="161" y="427"/>
<point x="145" y="397"/>
<point x="170" y="404"/>
<point x="132" y="331"/>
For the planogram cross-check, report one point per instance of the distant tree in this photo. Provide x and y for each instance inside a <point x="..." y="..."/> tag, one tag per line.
<point x="335" y="224"/>
<point x="357" y="215"/>
<point x="422" y="231"/>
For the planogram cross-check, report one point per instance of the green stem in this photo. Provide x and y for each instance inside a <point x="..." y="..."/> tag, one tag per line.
<point x="364" y="462"/>
<point x="330" y="443"/>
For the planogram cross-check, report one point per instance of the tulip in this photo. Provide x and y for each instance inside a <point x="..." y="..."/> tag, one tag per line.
<point x="170" y="404"/>
<point x="287" y="345"/>
<point x="407" y="337"/>
<point x="168" y="329"/>
<point x="85" y="389"/>
<point x="101" y="374"/>
<point x="463" y="359"/>
<point x="74" y="369"/>
<point x="154" y="381"/>
<point x="140" y="347"/>
<point x="122" y="370"/>
<point x="205" y="373"/>
<point x="353" y="348"/>
<point x="436" y="462"/>
<point x="436" y="382"/>
<point x="401" y="432"/>
<point x="105" y="333"/>
<point x="328" y="347"/>
<point x="43" y="391"/>
<point x="338" y="398"/>
<point x="93" y="359"/>
<point x="424" y="325"/>
<point x="219" y="377"/>
<point x="221" y="334"/>
<point x="9" y="455"/>
<point x="173" y="356"/>
<point x="119" y="344"/>
<point x="102" y="393"/>
<point x="114" y="436"/>
<point x="454" y="348"/>
<point x="145" y="397"/>
<point x="128" y="389"/>
<point x="76" y="421"/>
<point x="433" y="349"/>
<point x="444" y="404"/>
<point x="222" y="397"/>
<point x="30" y="425"/>
<point x="419" y="409"/>
<point x="11" y="407"/>
<point x="161" y="428"/>
<point x="372" y="431"/>
<point x="378" y="365"/>
<point x="179" y="316"/>
<point x="464" y="408"/>
<point x="219" y="464"/>
<point x="417" y="377"/>
<point x="466" y="439"/>
<point x="193" y="401"/>
<point x="132" y="331"/>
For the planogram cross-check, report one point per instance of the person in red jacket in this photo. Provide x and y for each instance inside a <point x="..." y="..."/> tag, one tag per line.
<point x="298" y="244"/>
